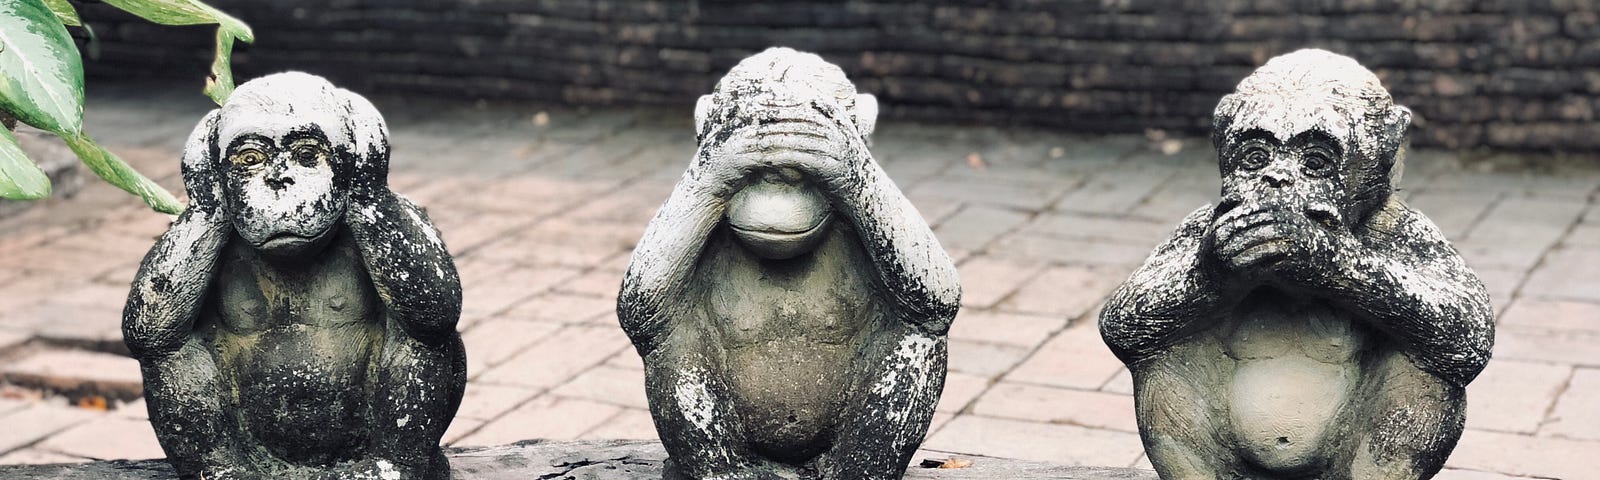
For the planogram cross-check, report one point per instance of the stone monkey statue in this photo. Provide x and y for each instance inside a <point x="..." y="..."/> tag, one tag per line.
<point x="298" y="320"/>
<point x="790" y="304"/>
<point x="1311" y="325"/>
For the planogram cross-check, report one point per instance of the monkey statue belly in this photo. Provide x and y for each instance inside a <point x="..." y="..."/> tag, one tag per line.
<point x="790" y="304"/>
<point x="298" y="319"/>
<point x="1311" y="324"/>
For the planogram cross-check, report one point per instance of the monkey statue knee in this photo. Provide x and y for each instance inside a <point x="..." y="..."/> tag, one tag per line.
<point x="1311" y="324"/>
<point x="298" y="320"/>
<point x="790" y="304"/>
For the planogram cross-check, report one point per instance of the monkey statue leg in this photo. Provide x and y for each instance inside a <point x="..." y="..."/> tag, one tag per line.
<point x="1419" y="418"/>
<point x="183" y="393"/>
<point x="893" y="398"/>
<point x="419" y="389"/>
<point x="697" y="424"/>
<point x="1174" y="399"/>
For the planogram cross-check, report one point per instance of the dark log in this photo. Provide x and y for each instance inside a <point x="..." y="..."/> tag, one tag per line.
<point x="589" y="460"/>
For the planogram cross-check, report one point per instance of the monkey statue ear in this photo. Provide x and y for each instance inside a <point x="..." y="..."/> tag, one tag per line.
<point x="201" y="160"/>
<point x="1395" y="126"/>
<point x="702" y="110"/>
<point x="866" y="113"/>
<point x="370" y="138"/>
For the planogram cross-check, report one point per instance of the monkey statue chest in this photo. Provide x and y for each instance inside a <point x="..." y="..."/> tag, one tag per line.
<point x="789" y="332"/>
<point x="1297" y="364"/>
<point x="296" y="341"/>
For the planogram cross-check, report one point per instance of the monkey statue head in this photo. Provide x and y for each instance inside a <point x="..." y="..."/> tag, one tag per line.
<point x="1310" y="133"/>
<point x="284" y="148"/>
<point x="774" y="110"/>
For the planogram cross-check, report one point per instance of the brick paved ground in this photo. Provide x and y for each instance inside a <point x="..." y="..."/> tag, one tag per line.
<point x="542" y="210"/>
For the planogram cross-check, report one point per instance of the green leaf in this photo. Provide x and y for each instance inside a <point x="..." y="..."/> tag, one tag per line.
<point x="65" y="12"/>
<point x="20" y="179"/>
<point x="106" y="164"/>
<point x="219" y="86"/>
<point x="41" y="76"/>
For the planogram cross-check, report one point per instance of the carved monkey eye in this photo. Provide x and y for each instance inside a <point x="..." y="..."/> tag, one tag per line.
<point x="248" y="158"/>
<point x="1319" y="162"/>
<point x="307" y="152"/>
<point x="1254" y="158"/>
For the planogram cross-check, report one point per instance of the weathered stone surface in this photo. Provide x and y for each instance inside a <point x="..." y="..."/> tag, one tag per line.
<point x="790" y="305"/>
<point x="1311" y="323"/>
<point x="299" y="319"/>
<point x="595" y="460"/>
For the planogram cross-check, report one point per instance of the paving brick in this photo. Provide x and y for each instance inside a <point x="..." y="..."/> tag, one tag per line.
<point x="78" y="371"/>
<point x="984" y="359"/>
<point x="1545" y="345"/>
<point x="1066" y="444"/>
<point x="959" y="391"/>
<point x="485" y="402"/>
<point x="1576" y="415"/>
<point x="977" y="189"/>
<point x="1101" y="227"/>
<point x="1522" y="455"/>
<point x="1075" y="358"/>
<point x="1513" y="396"/>
<point x="1065" y="291"/>
<point x="1518" y="183"/>
<point x="1121" y="383"/>
<point x="547" y="417"/>
<point x="1459" y="474"/>
<point x="976" y="225"/>
<point x="985" y="280"/>
<point x="560" y="357"/>
<point x="1517" y="228"/>
<point x="107" y="438"/>
<point x="1454" y="212"/>
<point x="491" y="342"/>
<point x="631" y="423"/>
<point x="602" y="283"/>
<point x="1115" y="190"/>
<point x="607" y="384"/>
<point x="1550" y="314"/>
<point x="1179" y="197"/>
<point x="565" y="243"/>
<point x="10" y="340"/>
<point x="480" y="230"/>
<point x="1039" y="403"/>
<point x="1070" y="250"/>
<point x="493" y="296"/>
<point x="32" y="456"/>
<point x="460" y="427"/>
<point x="1017" y="329"/>
<point x="1502" y="284"/>
<point x="565" y="308"/>
<point x="1570" y="274"/>
<point x="40" y="420"/>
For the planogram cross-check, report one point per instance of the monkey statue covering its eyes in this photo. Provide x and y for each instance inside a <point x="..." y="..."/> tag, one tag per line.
<point x="298" y="320"/>
<point x="790" y="304"/>
<point x="1311" y="324"/>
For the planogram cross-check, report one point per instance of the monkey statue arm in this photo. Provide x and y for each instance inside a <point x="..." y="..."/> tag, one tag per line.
<point x="658" y="268"/>
<point x="407" y="262"/>
<point x="1418" y="289"/>
<point x="1166" y="298"/>
<point x="917" y="272"/>
<point x="182" y="384"/>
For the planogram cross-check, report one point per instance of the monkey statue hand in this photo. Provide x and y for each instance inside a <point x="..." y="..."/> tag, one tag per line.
<point x="1281" y="245"/>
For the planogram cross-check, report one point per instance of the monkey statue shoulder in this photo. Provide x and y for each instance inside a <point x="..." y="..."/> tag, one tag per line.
<point x="790" y="304"/>
<point x="298" y="320"/>
<point x="1311" y="324"/>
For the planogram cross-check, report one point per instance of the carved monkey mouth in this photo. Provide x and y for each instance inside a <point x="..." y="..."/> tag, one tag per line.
<point x="291" y="241"/>
<point x="781" y="235"/>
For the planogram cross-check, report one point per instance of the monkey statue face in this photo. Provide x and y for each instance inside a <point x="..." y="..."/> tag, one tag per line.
<point x="284" y="165"/>
<point x="780" y="216"/>
<point x="1300" y="176"/>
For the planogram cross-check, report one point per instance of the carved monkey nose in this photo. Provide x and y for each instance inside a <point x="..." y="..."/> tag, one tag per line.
<point x="1277" y="179"/>
<point x="278" y="182"/>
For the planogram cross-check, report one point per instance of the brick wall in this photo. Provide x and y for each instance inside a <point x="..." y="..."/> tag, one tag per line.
<point x="1506" y="74"/>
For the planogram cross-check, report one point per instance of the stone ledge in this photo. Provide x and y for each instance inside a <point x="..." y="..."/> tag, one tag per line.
<point x="596" y="460"/>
